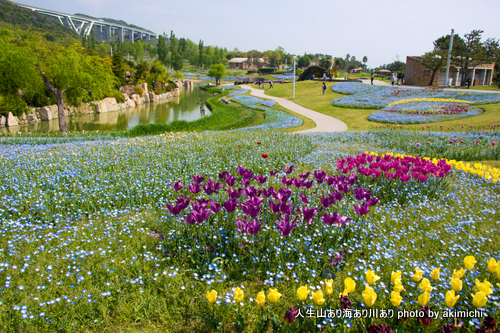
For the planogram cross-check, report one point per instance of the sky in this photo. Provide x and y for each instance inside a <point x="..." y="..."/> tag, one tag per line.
<point x="382" y="30"/>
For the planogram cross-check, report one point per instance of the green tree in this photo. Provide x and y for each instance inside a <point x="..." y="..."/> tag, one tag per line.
<point x="162" y="49"/>
<point x="200" y="50"/>
<point x="436" y="59"/>
<point x="469" y="52"/>
<point x="304" y="61"/>
<point x="217" y="71"/>
<point x="157" y="74"/>
<point x="119" y="68"/>
<point x="365" y="60"/>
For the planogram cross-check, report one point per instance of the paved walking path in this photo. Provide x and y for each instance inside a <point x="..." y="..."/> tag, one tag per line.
<point x="323" y="122"/>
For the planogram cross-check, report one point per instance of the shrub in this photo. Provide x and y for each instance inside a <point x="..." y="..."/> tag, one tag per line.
<point x="310" y="71"/>
<point x="252" y="71"/>
<point x="266" y="70"/>
<point x="138" y="90"/>
<point x="12" y="103"/>
<point x="171" y="86"/>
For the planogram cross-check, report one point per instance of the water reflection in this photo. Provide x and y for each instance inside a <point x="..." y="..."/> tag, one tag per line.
<point x="185" y="107"/>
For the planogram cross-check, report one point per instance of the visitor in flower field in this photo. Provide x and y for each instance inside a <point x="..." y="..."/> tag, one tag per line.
<point x="372" y="77"/>
<point x="468" y="82"/>
<point x="324" y="87"/>
<point x="393" y="78"/>
<point x="271" y="84"/>
<point x="400" y="78"/>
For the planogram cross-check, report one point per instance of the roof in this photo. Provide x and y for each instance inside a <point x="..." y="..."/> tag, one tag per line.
<point x="240" y="60"/>
<point x="383" y="70"/>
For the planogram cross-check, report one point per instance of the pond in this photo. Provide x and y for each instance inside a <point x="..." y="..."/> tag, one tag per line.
<point x="184" y="107"/>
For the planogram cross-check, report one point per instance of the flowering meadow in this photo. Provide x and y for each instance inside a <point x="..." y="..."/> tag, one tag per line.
<point x="411" y="105"/>
<point x="250" y="231"/>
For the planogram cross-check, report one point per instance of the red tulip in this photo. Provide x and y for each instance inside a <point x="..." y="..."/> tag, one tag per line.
<point x="265" y="156"/>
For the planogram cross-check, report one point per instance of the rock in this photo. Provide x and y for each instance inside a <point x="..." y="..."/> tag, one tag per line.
<point x="128" y="90"/>
<point x="137" y="99"/>
<point x="144" y="86"/>
<point x="32" y="117"/>
<point x="3" y="120"/>
<point x="11" y="120"/>
<point x="107" y="105"/>
<point x="23" y="116"/>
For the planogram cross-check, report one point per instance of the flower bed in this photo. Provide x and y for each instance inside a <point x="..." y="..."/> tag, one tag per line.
<point x="377" y="97"/>
<point x="274" y="119"/>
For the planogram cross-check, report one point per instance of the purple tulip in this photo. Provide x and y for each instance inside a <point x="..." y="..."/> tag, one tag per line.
<point x="275" y="208"/>
<point x="223" y="174"/>
<point x="273" y="173"/>
<point x="208" y="187"/>
<point x="198" y="179"/>
<point x="250" y="192"/>
<point x="285" y="181"/>
<point x="320" y="176"/>
<point x="327" y="201"/>
<point x="331" y="219"/>
<point x="345" y="302"/>
<point x="361" y="209"/>
<point x="245" y="182"/>
<point x="250" y="210"/>
<point x="230" y="205"/>
<point x="174" y="210"/>
<point x="352" y="179"/>
<point x="178" y="186"/>
<point x="215" y="206"/>
<point x="305" y="175"/>
<point x="283" y="194"/>
<point x="337" y="196"/>
<point x="255" y="201"/>
<point x="489" y="323"/>
<point x="253" y="227"/>
<point x="308" y="214"/>
<point x="189" y="219"/>
<point x="230" y="180"/>
<point x="234" y="194"/>
<point x="372" y="201"/>
<point x="201" y="214"/>
<point x="260" y="179"/>
<point x="241" y="170"/>
<point x="404" y="178"/>
<point x="308" y="184"/>
<point x="194" y="188"/>
<point x="303" y="198"/>
<point x="295" y="182"/>
<point x="242" y="225"/>
<point x="285" y="227"/>
<point x="202" y="202"/>
<point x="270" y="191"/>
<point x="288" y="170"/>
<point x="182" y="202"/>
<point x="361" y="193"/>
<point x="426" y="320"/>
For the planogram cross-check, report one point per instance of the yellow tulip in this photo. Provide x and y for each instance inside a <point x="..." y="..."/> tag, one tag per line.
<point x="458" y="274"/>
<point x="238" y="294"/>
<point x="371" y="278"/>
<point x="424" y="298"/>
<point x="318" y="297"/>
<point x="211" y="296"/>
<point x="369" y="296"/>
<point x="349" y="285"/>
<point x="418" y="274"/>
<point x="261" y="298"/>
<point x="425" y="285"/>
<point x="329" y="287"/>
<point x="435" y="274"/>
<point x="469" y="262"/>
<point x="396" y="298"/>
<point x="398" y="287"/>
<point x="485" y="286"/>
<point x="498" y="271"/>
<point x="492" y="265"/>
<point x="456" y="284"/>
<point x="274" y="295"/>
<point x="395" y="276"/>
<point x="479" y="299"/>
<point x="302" y="293"/>
<point x="451" y="299"/>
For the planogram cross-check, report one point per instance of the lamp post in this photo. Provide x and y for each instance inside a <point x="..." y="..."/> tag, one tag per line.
<point x="294" y="57"/>
<point x="448" y="61"/>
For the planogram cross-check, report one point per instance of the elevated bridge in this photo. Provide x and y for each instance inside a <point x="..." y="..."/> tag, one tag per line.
<point x="103" y="30"/>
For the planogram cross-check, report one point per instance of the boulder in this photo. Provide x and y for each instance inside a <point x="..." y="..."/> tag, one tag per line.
<point x="11" y="120"/>
<point x="128" y="103"/>
<point x="3" y="120"/>
<point x="49" y="112"/>
<point x="128" y="90"/>
<point x="144" y="87"/>
<point x="107" y="105"/>
<point x="23" y="116"/>
<point x="137" y="99"/>
<point x="31" y="117"/>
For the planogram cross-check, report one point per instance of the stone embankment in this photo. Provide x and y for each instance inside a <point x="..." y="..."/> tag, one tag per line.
<point x="108" y="104"/>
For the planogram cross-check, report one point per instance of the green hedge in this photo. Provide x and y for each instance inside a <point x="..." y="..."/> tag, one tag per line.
<point x="266" y="70"/>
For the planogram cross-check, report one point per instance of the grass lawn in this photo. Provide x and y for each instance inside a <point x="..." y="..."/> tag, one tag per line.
<point x="309" y="95"/>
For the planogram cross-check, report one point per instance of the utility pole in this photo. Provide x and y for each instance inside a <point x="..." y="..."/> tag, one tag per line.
<point x="449" y="58"/>
<point x="294" y="57"/>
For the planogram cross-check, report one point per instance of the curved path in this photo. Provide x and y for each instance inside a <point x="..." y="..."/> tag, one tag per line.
<point x="323" y="122"/>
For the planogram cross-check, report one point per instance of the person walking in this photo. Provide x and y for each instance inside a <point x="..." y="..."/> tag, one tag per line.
<point x="324" y="87"/>
<point x="468" y="82"/>
<point x="393" y="78"/>
<point x="371" y="79"/>
<point x="271" y="84"/>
